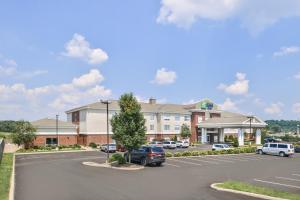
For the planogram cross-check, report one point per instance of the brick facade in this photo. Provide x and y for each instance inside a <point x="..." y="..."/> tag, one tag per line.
<point x="62" y="139"/>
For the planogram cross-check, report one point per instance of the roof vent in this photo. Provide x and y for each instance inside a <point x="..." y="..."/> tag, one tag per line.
<point x="152" y="101"/>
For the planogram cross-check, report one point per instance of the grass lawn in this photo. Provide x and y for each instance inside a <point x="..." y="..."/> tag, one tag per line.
<point x="245" y="187"/>
<point x="5" y="174"/>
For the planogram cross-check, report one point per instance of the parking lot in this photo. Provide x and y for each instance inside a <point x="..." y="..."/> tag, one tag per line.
<point x="62" y="176"/>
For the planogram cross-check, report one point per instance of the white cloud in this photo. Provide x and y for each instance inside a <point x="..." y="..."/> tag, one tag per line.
<point x="274" y="108"/>
<point x="164" y="77"/>
<point x="254" y="15"/>
<point x="50" y="99"/>
<point x="92" y="78"/>
<point x="297" y="76"/>
<point x="258" y="102"/>
<point x="7" y="71"/>
<point x="191" y="101"/>
<point x="286" y="51"/>
<point x="229" y="105"/>
<point x="78" y="47"/>
<point x="296" y="108"/>
<point x="239" y="87"/>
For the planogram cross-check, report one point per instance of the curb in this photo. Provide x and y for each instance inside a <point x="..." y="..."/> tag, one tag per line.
<point x="12" y="181"/>
<point x="46" y="152"/>
<point x="261" y="196"/>
<point x="93" y="164"/>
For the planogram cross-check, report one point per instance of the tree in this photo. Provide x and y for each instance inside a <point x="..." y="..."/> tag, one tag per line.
<point x="185" y="131"/>
<point x="23" y="134"/>
<point x="128" y="125"/>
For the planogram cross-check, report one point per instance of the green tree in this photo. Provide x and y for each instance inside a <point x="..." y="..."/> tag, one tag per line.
<point x="128" y="125"/>
<point x="185" y="131"/>
<point x="23" y="134"/>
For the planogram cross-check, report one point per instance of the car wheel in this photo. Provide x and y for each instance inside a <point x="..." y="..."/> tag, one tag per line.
<point x="158" y="164"/>
<point x="281" y="154"/>
<point x="144" y="162"/>
<point x="260" y="152"/>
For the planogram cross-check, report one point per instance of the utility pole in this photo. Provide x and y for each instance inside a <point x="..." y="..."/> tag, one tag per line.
<point x="57" y="130"/>
<point x="107" y="102"/>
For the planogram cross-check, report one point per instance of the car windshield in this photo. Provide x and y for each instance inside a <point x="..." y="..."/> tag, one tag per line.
<point x="112" y="145"/>
<point x="225" y="146"/>
<point x="173" y="143"/>
<point x="157" y="149"/>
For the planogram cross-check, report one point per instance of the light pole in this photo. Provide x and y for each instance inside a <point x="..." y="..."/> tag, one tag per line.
<point x="57" y="130"/>
<point x="251" y="118"/>
<point x="298" y="131"/>
<point x="107" y="102"/>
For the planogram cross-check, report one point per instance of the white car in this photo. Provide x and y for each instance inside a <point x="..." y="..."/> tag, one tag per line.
<point x="281" y="149"/>
<point x="156" y="144"/>
<point x="169" y="145"/>
<point x="220" y="147"/>
<point x="182" y="144"/>
<point x="110" y="147"/>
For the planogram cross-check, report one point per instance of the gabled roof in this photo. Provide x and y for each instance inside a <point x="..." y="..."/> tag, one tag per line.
<point x="51" y="123"/>
<point x="232" y="120"/>
<point x="146" y="107"/>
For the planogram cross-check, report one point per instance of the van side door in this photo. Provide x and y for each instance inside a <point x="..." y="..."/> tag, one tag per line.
<point x="273" y="148"/>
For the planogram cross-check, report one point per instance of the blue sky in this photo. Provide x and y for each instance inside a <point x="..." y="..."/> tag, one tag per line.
<point x="242" y="54"/>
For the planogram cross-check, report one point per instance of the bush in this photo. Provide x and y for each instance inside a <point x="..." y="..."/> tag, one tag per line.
<point x="93" y="145"/>
<point x="169" y="154"/>
<point x="235" y="142"/>
<point x="117" y="157"/>
<point x="186" y="153"/>
<point x="195" y="153"/>
<point x="177" y="154"/>
<point x="202" y="153"/>
<point x="236" y="151"/>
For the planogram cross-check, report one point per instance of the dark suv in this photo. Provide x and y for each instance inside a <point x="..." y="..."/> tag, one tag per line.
<point x="147" y="155"/>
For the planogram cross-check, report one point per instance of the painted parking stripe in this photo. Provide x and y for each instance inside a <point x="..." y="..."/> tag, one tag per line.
<point x="233" y="158"/>
<point x="171" y="165"/>
<point x="211" y="162"/>
<point x="289" y="179"/>
<point x="220" y="160"/>
<point x="186" y="162"/>
<point x="275" y="183"/>
<point x="296" y="174"/>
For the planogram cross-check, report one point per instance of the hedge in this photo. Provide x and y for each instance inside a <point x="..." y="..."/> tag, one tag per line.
<point x="210" y="152"/>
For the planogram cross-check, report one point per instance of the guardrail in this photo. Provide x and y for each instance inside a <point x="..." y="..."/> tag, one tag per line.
<point x="2" y="143"/>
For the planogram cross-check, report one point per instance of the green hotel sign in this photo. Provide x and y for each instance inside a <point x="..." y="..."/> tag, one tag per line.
<point x="205" y="105"/>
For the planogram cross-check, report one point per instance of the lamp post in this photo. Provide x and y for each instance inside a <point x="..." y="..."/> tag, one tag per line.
<point x="107" y="102"/>
<point x="251" y="118"/>
<point x="57" y="130"/>
<point x="298" y="131"/>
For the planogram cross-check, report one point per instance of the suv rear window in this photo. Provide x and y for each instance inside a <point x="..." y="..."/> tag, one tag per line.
<point x="157" y="149"/>
<point x="273" y="145"/>
<point x="283" y="146"/>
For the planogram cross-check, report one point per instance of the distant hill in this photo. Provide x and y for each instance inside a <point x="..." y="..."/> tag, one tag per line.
<point x="276" y="126"/>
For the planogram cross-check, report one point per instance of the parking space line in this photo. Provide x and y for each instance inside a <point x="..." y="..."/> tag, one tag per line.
<point x="186" y="162"/>
<point x="275" y="183"/>
<point x="289" y="179"/>
<point x="296" y="174"/>
<point x="211" y="162"/>
<point x="235" y="159"/>
<point x="220" y="160"/>
<point x="171" y="165"/>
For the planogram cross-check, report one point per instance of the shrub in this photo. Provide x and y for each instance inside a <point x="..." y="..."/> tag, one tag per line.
<point x="117" y="157"/>
<point x="236" y="151"/>
<point x="93" y="145"/>
<point x="209" y="152"/>
<point x="235" y="142"/>
<point x="177" y="154"/>
<point x="169" y="154"/>
<point x="186" y="153"/>
<point x="202" y="153"/>
<point x="195" y="153"/>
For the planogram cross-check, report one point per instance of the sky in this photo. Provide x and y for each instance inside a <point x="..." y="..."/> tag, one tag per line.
<point x="243" y="55"/>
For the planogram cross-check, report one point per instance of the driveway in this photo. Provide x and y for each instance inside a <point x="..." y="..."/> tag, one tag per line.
<point x="63" y="177"/>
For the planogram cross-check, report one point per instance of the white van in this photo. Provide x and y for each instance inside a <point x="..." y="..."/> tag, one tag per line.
<point x="281" y="149"/>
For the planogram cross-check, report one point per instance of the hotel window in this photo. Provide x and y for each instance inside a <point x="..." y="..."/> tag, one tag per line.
<point x="177" y="127"/>
<point x="151" y="127"/>
<point x="152" y="117"/>
<point x="51" y="141"/>
<point x="167" y="117"/>
<point x="187" y="118"/>
<point x="177" y="117"/>
<point x="166" y="127"/>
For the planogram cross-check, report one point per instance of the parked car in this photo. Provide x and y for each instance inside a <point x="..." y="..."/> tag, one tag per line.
<point x="156" y="144"/>
<point x="281" y="149"/>
<point x="147" y="155"/>
<point x="111" y="147"/>
<point x="297" y="149"/>
<point x="220" y="147"/>
<point x="272" y="140"/>
<point x="182" y="144"/>
<point x="169" y="145"/>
